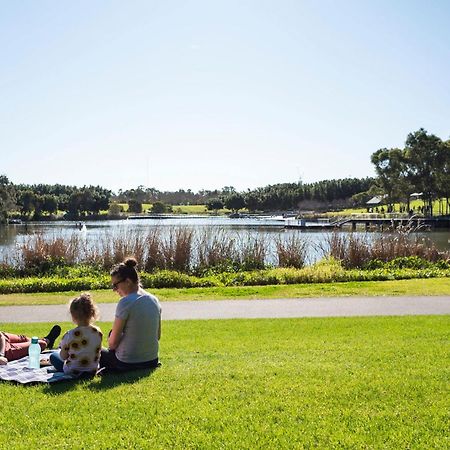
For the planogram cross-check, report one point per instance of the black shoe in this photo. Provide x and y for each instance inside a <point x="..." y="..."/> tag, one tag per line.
<point x="51" y="337"/>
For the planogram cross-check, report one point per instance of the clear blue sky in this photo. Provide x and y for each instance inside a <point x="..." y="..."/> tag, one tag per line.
<point x="206" y="94"/>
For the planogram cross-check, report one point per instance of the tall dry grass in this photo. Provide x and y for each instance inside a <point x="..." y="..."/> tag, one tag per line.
<point x="252" y="251"/>
<point x="292" y="251"/>
<point x="197" y="251"/>
<point x="112" y="248"/>
<point x="37" y="254"/>
<point x="154" y="258"/>
<point x="216" y="249"/>
<point x="356" y="251"/>
<point x="176" y="249"/>
<point x="152" y="248"/>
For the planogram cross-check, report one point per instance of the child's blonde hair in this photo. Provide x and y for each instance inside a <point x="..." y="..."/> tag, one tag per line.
<point x="83" y="308"/>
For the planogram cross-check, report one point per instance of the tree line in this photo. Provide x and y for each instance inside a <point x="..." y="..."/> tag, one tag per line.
<point x="141" y="194"/>
<point x="284" y="196"/>
<point x="35" y="201"/>
<point x="324" y="194"/>
<point x="421" y="167"/>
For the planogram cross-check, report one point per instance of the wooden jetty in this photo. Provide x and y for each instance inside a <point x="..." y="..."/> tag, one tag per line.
<point x="373" y="223"/>
<point x="301" y="224"/>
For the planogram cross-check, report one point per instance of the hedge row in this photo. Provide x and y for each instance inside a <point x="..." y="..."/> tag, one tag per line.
<point x="321" y="273"/>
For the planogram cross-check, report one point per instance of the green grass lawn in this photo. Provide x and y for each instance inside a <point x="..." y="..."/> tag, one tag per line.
<point x="298" y="383"/>
<point x="425" y="286"/>
<point x="182" y="209"/>
<point x="414" y="204"/>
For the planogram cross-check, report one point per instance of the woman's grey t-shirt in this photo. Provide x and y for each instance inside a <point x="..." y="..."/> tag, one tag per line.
<point x="141" y="312"/>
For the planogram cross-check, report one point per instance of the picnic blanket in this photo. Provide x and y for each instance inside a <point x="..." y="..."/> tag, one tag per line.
<point x="18" y="371"/>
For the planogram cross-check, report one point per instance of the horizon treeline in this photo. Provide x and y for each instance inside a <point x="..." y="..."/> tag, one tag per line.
<point x="281" y="196"/>
<point x="40" y="199"/>
<point x="421" y="167"/>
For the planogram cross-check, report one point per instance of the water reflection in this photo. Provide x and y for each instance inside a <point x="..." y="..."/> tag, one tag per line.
<point x="8" y="234"/>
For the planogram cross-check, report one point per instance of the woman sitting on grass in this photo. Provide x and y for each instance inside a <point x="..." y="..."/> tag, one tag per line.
<point x="80" y="347"/>
<point x="134" y="339"/>
<point x="15" y="346"/>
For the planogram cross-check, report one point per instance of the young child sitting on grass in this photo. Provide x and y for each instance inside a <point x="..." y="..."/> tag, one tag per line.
<point x="80" y="347"/>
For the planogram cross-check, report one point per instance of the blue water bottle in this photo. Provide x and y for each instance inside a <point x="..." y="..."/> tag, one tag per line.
<point x="34" y="352"/>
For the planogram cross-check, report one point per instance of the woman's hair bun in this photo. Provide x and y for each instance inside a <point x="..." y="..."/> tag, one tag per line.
<point x="130" y="262"/>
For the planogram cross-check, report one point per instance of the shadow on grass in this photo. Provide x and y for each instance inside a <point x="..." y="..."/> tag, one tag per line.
<point x="100" y="382"/>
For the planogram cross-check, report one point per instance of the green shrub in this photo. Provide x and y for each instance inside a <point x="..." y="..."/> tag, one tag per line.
<point x="374" y="264"/>
<point x="78" y="271"/>
<point x="173" y="279"/>
<point x="443" y="264"/>
<point x="323" y="272"/>
<point x="7" y="271"/>
<point x="409" y="262"/>
<point x="52" y="284"/>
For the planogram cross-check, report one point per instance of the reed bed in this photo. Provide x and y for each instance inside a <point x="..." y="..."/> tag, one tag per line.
<point x="176" y="249"/>
<point x="358" y="251"/>
<point x="204" y="251"/>
<point x="216" y="249"/>
<point x="185" y="250"/>
<point x="40" y="254"/>
<point x="154" y="257"/>
<point x="291" y="252"/>
<point x="253" y="252"/>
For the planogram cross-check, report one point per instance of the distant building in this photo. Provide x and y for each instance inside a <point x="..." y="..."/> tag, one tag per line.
<point x="377" y="200"/>
<point x="415" y="195"/>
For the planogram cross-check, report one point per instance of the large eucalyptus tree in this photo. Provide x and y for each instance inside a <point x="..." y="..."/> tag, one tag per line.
<point x="425" y="156"/>
<point x="390" y="166"/>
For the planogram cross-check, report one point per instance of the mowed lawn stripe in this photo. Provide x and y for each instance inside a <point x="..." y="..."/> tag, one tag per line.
<point x="286" y="383"/>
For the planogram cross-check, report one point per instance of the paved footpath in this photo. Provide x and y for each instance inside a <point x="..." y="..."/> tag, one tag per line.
<point x="231" y="309"/>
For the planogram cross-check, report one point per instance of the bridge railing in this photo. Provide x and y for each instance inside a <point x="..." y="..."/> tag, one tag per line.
<point x="369" y="216"/>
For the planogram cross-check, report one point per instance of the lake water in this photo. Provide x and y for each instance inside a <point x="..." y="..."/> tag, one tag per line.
<point x="268" y="228"/>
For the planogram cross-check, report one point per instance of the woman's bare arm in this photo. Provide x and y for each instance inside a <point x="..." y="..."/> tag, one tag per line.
<point x="116" y="333"/>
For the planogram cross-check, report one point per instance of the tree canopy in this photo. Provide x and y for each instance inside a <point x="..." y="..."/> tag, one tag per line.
<point x="422" y="167"/>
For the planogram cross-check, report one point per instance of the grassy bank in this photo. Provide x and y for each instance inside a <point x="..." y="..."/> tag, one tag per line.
<point x="181" y="209"/>
<point x="300" y="383"/>
<point x="432" y="286"/>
